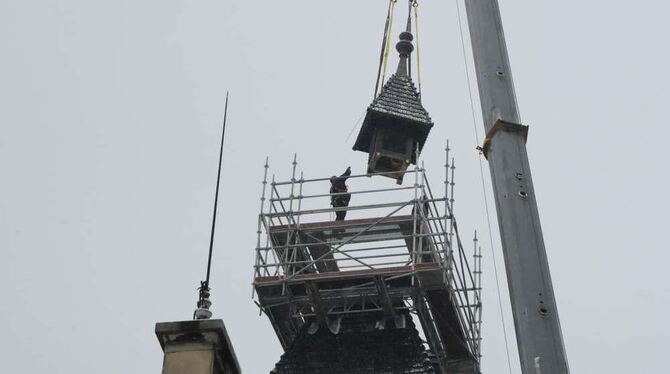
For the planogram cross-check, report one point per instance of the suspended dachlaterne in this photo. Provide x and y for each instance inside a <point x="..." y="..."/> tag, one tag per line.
<point x="396" y="125"/>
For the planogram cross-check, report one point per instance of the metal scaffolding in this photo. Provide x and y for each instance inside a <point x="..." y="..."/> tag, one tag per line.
<point x="399" y="251"/>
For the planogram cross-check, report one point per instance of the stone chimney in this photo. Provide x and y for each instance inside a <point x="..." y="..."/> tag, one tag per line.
<point x="196" y="347"/>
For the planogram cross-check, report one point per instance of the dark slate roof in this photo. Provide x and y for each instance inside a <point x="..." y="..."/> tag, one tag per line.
<point x="397" y="106"/>
<point x="400" y="98"/>
<point x="357" y="348"/>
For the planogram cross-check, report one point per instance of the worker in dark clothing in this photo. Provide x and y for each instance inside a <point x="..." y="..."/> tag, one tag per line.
<point x="338" y="186"/>
<point x="425" y="206"/>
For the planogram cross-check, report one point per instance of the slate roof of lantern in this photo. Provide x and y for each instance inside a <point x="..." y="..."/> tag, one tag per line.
<point x="400" y="98"/>
<point x="397" y="105"/>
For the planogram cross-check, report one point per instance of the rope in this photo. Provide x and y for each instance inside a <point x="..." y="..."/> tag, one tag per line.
<point x="481" y="173"/>
<point x="383" y="55"/>
<point x="358" y="122"/>
<point x="418" y="60"/>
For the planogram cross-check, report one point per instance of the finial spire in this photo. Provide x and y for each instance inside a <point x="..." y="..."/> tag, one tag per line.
<point x="405" y="48"/>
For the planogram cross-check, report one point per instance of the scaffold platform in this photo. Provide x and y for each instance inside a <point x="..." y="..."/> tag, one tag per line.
<point x="401" y="256"/>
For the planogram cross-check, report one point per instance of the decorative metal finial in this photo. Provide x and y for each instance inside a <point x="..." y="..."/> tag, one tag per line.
<point x="405" y="48"/>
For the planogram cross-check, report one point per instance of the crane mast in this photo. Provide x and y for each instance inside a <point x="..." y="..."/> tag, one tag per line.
<point x="537" y="325"/>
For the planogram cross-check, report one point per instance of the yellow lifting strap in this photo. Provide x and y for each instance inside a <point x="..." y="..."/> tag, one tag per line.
<point x="415" y="5"/>
<point x="387" y="32"/>
<point x="383" y="55"/>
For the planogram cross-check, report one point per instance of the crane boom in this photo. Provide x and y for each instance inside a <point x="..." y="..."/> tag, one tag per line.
<point x="536" y="321"/>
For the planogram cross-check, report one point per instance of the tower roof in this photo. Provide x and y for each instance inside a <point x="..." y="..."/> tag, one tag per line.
<point x="359" y="347"/>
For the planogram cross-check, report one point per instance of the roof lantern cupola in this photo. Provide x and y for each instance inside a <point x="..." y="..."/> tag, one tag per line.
<point x="396" y="124"/>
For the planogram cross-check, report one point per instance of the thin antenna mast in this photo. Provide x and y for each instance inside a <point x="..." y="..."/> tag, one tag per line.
<point x="204" y="303"/>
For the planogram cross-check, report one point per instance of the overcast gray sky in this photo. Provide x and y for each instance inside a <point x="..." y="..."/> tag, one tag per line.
<point x="110" y="114"/>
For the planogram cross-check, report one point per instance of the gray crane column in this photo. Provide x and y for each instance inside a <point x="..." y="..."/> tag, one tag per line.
<point x="538" y="329"/>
